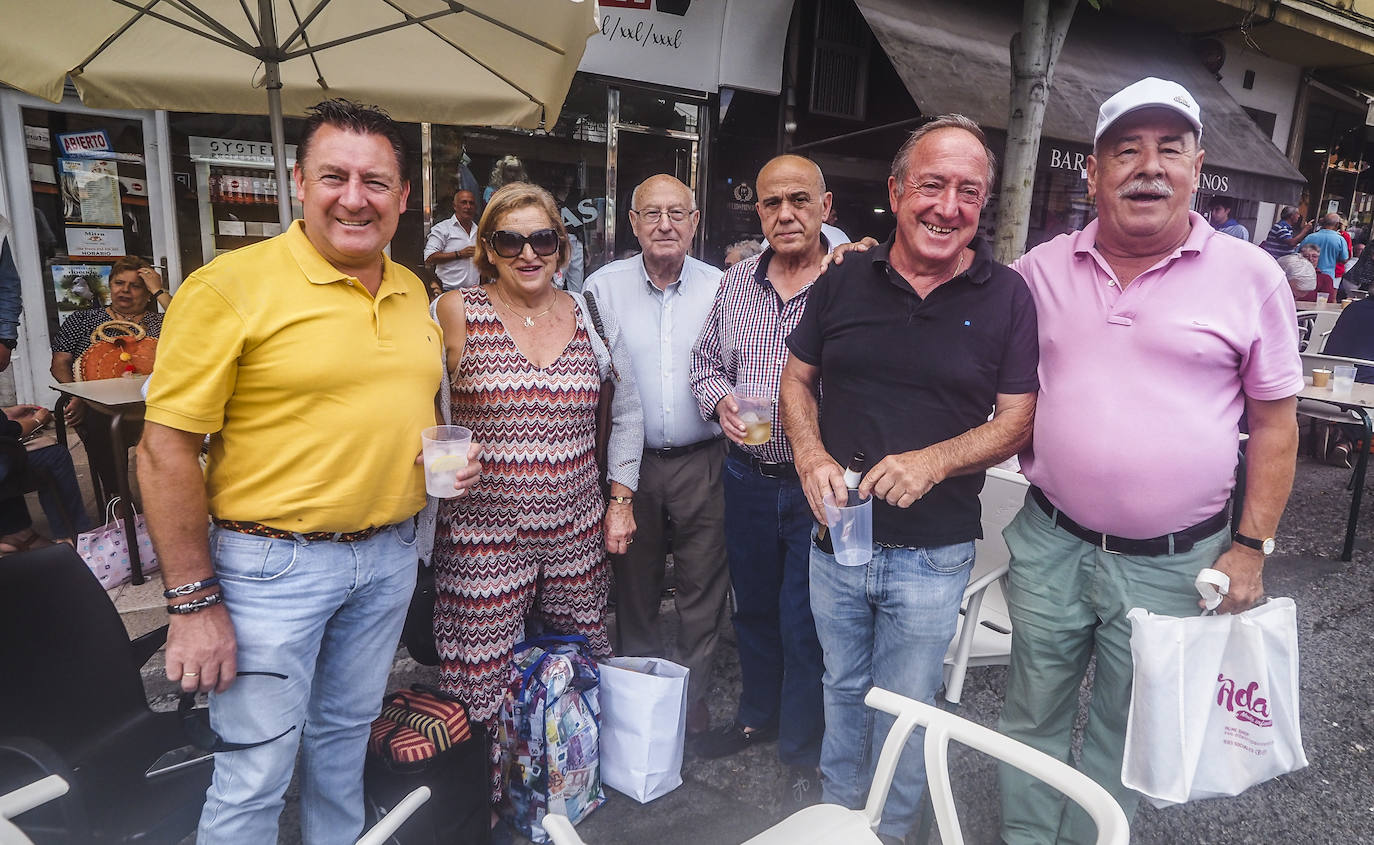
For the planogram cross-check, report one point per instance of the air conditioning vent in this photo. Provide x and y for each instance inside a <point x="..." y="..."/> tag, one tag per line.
<point x="839" y="65"/>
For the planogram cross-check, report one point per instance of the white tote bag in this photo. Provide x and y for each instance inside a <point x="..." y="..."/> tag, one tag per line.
<point x="1214" y="707"/>
<point x="643" y="721"/>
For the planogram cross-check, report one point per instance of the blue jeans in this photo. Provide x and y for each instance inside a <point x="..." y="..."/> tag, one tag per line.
<point x="328" y="616"/>
<point x="887" y="623"/>
<point x="767" y="537"/>
<point x="57" y="463"/>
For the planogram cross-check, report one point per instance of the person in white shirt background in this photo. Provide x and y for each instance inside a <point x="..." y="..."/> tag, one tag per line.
<point x="452" y="242"/>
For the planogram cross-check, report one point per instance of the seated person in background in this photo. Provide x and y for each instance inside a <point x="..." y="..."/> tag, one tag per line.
<point x="740" y="250"/>
<point x="16" y="529"/>
<point x="135" y="290"/>
<point x="1219" y="213"/>
<point x="1351" y="337"/>
<point x="1303" y="276"/>
<point x="1359" y="272"/>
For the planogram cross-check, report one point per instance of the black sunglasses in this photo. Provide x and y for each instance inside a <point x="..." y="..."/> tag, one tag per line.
<point x="509" y="244"/>
<point x="204" y="737"/>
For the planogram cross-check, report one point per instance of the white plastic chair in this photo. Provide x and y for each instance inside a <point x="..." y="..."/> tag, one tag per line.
<point x="560" y="830"/>
<point x="830" y="823"/>
<point x="984" y="634"/>
<point x="22" y="800"/>
<point x="389" y="824"/>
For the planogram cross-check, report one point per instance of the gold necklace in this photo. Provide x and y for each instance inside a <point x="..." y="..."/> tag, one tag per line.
<point x="529" y="321"/>
<point x="960" y="265"/>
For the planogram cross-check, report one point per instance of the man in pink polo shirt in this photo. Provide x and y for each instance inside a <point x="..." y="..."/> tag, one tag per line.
<point x="1156" y="334"/>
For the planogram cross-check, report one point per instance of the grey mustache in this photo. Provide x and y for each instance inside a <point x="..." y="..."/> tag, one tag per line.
<point x="1146" y="186"/>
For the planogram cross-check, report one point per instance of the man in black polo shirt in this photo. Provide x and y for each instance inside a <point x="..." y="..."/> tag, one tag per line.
<point x="916" y="342"/>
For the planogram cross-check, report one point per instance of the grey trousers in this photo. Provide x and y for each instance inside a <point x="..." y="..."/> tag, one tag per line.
<point x="688" y="490"/>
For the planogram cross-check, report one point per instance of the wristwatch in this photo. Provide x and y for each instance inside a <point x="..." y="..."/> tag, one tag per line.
<point x="9" y="342"/>
<point x="1265" y="546"/>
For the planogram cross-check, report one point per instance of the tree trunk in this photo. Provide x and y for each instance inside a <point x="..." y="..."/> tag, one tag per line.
<point x="1034" y="50"/>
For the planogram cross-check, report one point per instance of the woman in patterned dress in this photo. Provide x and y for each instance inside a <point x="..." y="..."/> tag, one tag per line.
<point x="525" y="365"/>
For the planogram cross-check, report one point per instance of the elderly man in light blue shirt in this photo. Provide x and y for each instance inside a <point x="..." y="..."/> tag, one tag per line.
<point x="661" y="298"/>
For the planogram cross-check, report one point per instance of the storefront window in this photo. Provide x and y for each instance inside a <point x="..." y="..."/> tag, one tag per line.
<point x="90" y="203"/>
<point x="226" y="188"/>
<point x="570" y="161"/>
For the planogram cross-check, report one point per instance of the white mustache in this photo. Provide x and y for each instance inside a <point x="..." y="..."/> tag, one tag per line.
<point x="1146" y="186"/>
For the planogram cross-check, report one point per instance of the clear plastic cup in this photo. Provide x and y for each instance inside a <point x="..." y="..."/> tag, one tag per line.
<point x="1342" y="380"/>
<point x="1323" y="298"/>
<point x="851" y="528"/>
<point x="756" y="412"/>
<point x="445" y="449"/>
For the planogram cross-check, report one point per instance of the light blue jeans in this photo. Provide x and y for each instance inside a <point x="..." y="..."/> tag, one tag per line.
<point x="328" y="616"/>
<point x="887" y="623"/>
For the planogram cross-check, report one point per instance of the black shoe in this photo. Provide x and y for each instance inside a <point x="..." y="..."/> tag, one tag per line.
<point x="730" y="739"/>
<point x="801" y="788"/>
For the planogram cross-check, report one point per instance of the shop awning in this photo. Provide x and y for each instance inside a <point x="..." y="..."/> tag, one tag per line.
<point x="955" y="57"/>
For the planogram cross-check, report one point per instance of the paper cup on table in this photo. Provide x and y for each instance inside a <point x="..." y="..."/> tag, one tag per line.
<point x="1321" y="377"/>
<point x="1342" y="380"/>
<point x="445" y="449"/>
<point x="756" y="412"/>
<point x="851" y="528"/>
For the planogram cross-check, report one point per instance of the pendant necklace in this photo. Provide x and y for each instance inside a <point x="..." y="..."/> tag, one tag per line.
<point x="529" y="321"/>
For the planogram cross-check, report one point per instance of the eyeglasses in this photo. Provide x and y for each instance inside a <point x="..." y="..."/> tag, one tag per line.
<point x="204" y="737"/>
<point x="509" y="244"/>
<point x="653" y="215"/>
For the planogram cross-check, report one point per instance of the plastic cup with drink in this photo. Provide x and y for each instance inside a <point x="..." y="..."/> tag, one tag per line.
<point x="1323" y="298"/>
<point x="445" y="450"/>
<point x="756" y="412"/>
<point x="851" y="528"/>
<point x="1342" y="380"/>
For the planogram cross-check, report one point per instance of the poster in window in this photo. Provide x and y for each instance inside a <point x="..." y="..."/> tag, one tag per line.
<point x="78" y="286"/>
<point x="90" y="192"/>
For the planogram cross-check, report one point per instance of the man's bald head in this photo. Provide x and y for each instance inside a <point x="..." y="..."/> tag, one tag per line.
<point x="793" y="164"/>
<point x="659" y="183"/>
<point x="792" y="202"/>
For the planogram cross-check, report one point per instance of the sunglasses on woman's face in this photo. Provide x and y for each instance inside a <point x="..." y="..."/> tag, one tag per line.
<point x="509" y="244"/>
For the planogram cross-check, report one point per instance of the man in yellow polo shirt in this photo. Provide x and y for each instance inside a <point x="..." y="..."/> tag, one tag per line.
<point x="312" y="362"/>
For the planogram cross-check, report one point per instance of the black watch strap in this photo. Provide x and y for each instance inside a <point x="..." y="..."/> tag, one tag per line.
<point x="9" y="342"/>
<point x="1266" y="545"/>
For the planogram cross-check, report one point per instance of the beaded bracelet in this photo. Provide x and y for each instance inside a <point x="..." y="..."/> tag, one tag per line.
<point x="622" y="500"/>
<point x="187" y="589"/>
<point x="196" y="605"/>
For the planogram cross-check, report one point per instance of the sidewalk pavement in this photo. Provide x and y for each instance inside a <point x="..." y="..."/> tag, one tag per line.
<point x="723" y="802"/>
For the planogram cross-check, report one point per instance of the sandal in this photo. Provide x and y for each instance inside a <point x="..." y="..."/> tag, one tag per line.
<point x="22" y="542"/>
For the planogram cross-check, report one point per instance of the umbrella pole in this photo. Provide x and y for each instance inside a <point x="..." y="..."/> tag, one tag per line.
<point x="284" y="184"/>
<point x="267" y="21"/>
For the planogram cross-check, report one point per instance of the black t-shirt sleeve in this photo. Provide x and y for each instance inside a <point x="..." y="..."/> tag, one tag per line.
<point x="807" y="339"/>
<point x="1021" y="355"/>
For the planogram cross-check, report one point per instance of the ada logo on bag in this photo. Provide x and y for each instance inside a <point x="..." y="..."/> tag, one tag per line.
<point x="1243" y="702"/>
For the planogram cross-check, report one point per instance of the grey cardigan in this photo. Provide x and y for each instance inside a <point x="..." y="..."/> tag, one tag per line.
<point x="627" y="416"/>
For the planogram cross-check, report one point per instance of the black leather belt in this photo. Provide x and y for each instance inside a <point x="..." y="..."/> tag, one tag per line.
<point x="1175" y="543"/>
<point x="781" y="469"/>
<point x="679" y="451"/>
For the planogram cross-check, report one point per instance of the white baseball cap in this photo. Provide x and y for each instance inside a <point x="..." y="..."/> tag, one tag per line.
<point x="1145" y="94"/>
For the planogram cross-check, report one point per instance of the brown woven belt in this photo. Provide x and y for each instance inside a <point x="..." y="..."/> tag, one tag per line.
<point x="257" y="529"/>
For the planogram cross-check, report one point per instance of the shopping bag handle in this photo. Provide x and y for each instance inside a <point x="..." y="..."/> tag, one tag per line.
<point x="1212" y="585"/>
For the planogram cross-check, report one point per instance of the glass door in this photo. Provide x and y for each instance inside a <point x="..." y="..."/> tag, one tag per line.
<point x="86" y="187"/>
<point x="651" y="132"/>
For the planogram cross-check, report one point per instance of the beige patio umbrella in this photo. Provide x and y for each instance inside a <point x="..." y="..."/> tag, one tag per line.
<point x="484" y="62"/>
